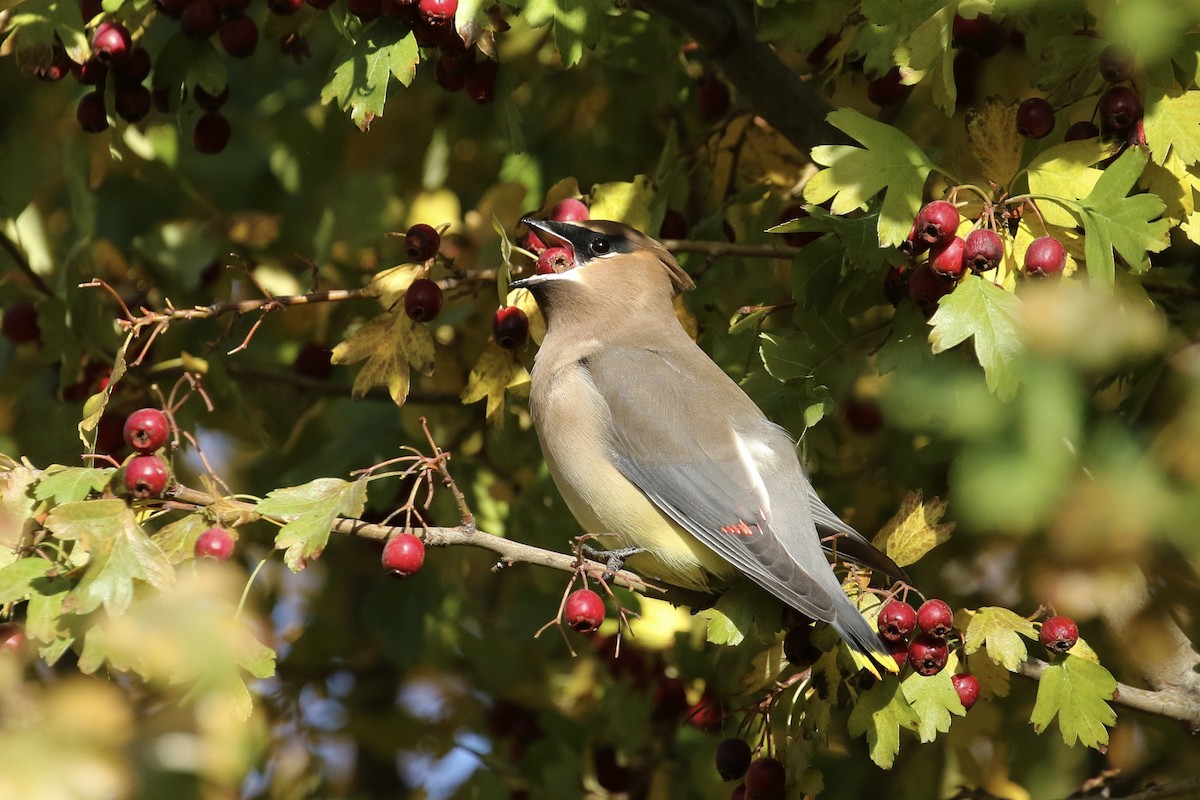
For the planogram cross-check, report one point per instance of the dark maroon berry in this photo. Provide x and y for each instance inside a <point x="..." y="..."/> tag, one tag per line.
<point x="422" y="242"/>
<point x="450" y="72"/>
<point x="239" y="36"/>
<point x="670" y="699"/>
<point x="214" y="543"/>
<point x="971" y="31"/>
<point x="1084" y="129"/>
<point x="320" y="5"/>
<point x="313" y="361"/>
<point x="285" y="7"/>
<point x="58" y="68"/>
<point x="798" y="238"/>
<point x="90" y="9"/>
<point x="135" y="68"/>
<point x="1035" y="118"/>
<point x="585" y="610"/>
<point x="110" y="439"/>
<point x="481" y="81"/>
<point x="798" y="647"/>
<point x="766" y="779"/>
<point x="423" y="300"/>
<point x="1119" y="109"/>
<point x="967" y="686"/>
<point x="146" y="430"/>
<point x="1116" y="63"/>
<point x="863" y="415"/>
<point x="211" y="134"/>
<point x="946" y="259"/>
<point x="510" y="328"/>
<point x="171" y="8"/>
<point x="937" y="222"/>
<point x="209" y="101"/>
<point x="733" y="758"/>
<point x="145" y="476"/>
<point x="983" y="251"/>
<point x="613" y="776"/>
<point x="111" y="41"/>
<point x="90" y="113"/>
<point x="926" y="288"/>
<point x="200" y="19"/>
<point x="400" y="9"/>
<point x="1045" y="257"/>
<point x="896" y="621"/>
<point x="895" y="284"/>
<point x="712" y="98"/>
<point x="935" y="618"/>
<point x="928" y="655"/>
<point x="21" y="323"/>
<point x="887" y="89"/>
<point x="366" y="10"/>
<point x="1059" y="634"/>
<point x="674" y="225"/>
<point x="91" y="72"/>
<point x="569" y="210"/>
<point x="132" y="102"/>
<point x="403" y="555"/>
<point x="554" y="259"/>
<point x="914" y="245"/>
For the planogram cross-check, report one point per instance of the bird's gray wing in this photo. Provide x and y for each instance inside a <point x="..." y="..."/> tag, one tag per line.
<point x="849" y="544"/>
<point x="674" y="435"/>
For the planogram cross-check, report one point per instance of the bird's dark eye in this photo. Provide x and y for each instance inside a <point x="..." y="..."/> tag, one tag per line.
<point x="599" y="246"/>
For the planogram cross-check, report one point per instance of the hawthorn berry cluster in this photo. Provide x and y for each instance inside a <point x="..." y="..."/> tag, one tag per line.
<point x="764" y="778"/>
<point x="949" y="256"/>
<point x="1119" y="108"/>
<point x="921" y="639"/>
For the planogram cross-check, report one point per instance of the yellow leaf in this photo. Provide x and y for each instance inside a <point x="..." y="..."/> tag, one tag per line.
<point x="624" y="202"/>
<point x="995" y="143"/>
<point x="389" y="285"/>
<point x="1174" y="184"/>
<point x="914" y="530"/>
<point x="388" y="343"/>
<point x="523" y="299"/>
<point x="1191" y="227"/>
<point x="441" y="205"/>
<point x="416" y="342"/>
<point x="496" y="370"/>
<point x="1066" y="171"/>
<point x="567" y="187"/>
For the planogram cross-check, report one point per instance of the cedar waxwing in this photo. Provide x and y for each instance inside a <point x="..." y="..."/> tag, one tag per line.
<point x="648" y="439"/>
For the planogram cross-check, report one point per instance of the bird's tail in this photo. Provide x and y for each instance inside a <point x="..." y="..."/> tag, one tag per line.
<point x="865" y="644"/>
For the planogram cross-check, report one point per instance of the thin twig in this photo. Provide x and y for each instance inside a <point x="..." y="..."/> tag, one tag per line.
<point x="22" y="261"/>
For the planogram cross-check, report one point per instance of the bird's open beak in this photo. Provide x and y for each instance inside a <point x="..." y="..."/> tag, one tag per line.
<point x="553" y="234"/>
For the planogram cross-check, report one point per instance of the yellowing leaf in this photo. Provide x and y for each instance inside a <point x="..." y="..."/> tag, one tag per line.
<point x="1001" y="631"/>
<point x="1172" y="124"/>
<point x="1077" y="691"/>
<point x="995" y="143"/>
<point x="389" y="285"/>
<point x="1066" y="171"/>
<point x="496" y="371"/>
<point x="934" y="699"/>
<point x="889" y="162"/>
<point x="389" y="343"/>
<point x="928" y="54"/>
<point x="994" y="679"/>
<point x="1174" y="184"/>
<point x="1191" y="227"/>
<point x="914" y="530"/>
<point x="523" y="299"/>
<point x="880" y="713"/>
<point x="624" y="202"/>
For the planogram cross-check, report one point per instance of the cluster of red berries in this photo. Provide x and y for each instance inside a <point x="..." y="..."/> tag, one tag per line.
<point x="403" y="555"/>
<point x="763" y="779"/>
<point x="949" y="256"/>
<point x="929" y="650"/>
<point x="1119" y="107"/>
<point x="145" y="475"/>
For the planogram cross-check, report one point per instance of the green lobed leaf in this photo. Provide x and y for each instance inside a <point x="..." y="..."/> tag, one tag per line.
<point x="732" y="619"/>
<point x="979" y="309"/>
<point x="69" y="484"/>
<point x="929" y="55"/>
<point x="16" y="510"/>
<point x="817" y="273"/>
<point x="576" y="24"/>
<point x="1077" y="691"/>
<point x="1172" y="122"/>
<point x="361" y="73"/>
<point x="787" y="355"/>
<point x="858" y="236"/>
<point x="178" y="540"/>
<point x="1001" y="631"/>
<point x="889" y="161"/>
<point x="15" y="579"/>
<point x="880" y="713"/>
<point x="1067" y="68"/>
<point x="314" y="506"/>
<point x="1113" y="221"/>
<point x="934" y="699"/>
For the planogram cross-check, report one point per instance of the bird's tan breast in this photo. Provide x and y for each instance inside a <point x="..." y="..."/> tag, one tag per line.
<point x="573" y="424"/>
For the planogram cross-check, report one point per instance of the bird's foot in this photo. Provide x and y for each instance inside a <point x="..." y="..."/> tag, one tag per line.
<point x="613" y="560"/>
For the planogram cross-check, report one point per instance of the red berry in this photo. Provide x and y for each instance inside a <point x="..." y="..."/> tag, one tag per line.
<point x="798" y="647"/>
<point x="146" y="430"/>
<point x="450" y="72"/>
<point x="766" y="779"/>
<point x="983" y="250"/>
<point x="481" y="81"/>
<point x="60" y="64"/>
<point x="554" y="259"/>
<point x="21" y="323"/>
<point x="1035" y="118"/>
<point x="971" y="31"/>
<point x="863" y="415"/>
<point x="1059" y="634"/>
<point x="739" y="792"/>
<point x="674" y="225"/>
<point x="937" y="222"/>
<point x="145" y="476"/>
<point x="135" y="68"/>
<point x="171" y="8"/>
<point x="670" y="699"/>
<point x="110" y="439"/>
<point x="1045" y="257"/>
<point x="1119" y="109"/>
<point x="313" y="361"/>
<point x="733" y="758"/>
<point x="91" y="72"/>
<point x="200" y="19"/>
<point x="886" y="89"/>
<point x="111" y="41"/>
<point x="967" y="686"/>
<point x="437" y="11"/>
<point x="935" y="618"/>
<point x="585" y="610"/>
<point x="239" y="36"/>
<point x="946" y="259"/>
<point x="210" y="134"/>
<point x="798" y="238"/>
<point x="707" y="712"/>
<point x="422" y="242"/>
<point x="1116" y="63"/>
<point x="898" y="650"/>
<point x="214" y="543"/>
<point x="510" y="327"/>
<point x="914" y="245"/>
<point x="896" y="621"/>
<point x="712" y="98"/>
<point x="403" y="555"/>
<point x="926" y="288"/>
<point x="132" y="102"/>
<point x="423" y="300"/>
<point x="928" y="655"/>
<point x="12" y="636"/>
<point x="569" y="210"/>
<point x="90" y="113"/>
<point x="895" y="284"/>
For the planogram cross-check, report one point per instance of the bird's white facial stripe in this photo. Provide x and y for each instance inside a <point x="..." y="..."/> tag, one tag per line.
<point x="757" y="484"/>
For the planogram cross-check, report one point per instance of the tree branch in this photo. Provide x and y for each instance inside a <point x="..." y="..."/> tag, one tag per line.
<point x="1186" y="787"/>
<point x="772" y="89"/>
<point x="19" y="258"/>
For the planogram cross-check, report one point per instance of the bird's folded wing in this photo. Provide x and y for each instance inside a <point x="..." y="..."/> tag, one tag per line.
<point x="849" y="544"/>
